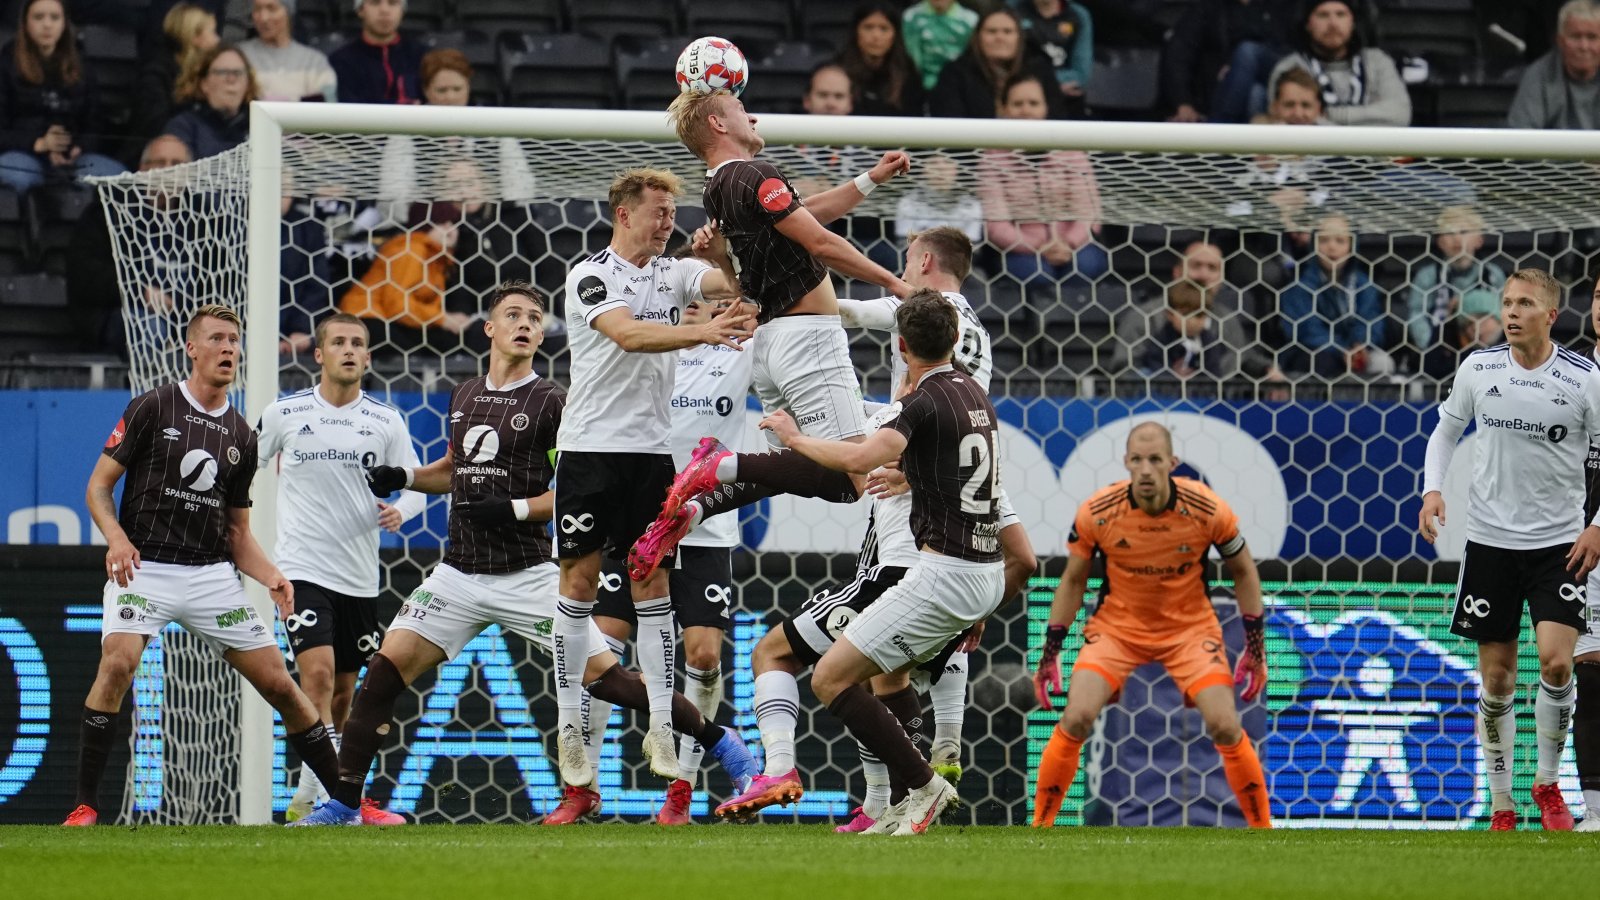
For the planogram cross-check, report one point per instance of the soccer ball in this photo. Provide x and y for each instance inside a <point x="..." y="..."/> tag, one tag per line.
<point x="711" y="64"/>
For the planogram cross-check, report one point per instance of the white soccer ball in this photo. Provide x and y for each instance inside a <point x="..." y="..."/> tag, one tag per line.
<point x="712" y="64"/>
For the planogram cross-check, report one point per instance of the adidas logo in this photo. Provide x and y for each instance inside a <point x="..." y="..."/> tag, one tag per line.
<point x="627" y="290"/>
<point x="1493" y="392"/>
<point x="1122" y="544"/>
<point x="305" y="429"/>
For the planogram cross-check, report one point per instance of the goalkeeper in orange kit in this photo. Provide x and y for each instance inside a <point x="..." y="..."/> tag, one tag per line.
<point x="1154" y="531"/>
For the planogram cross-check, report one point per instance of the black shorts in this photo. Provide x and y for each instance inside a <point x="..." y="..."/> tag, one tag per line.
<point x="702" y="589"/>
<point x="821" y="620"/>
<point x="324" y="618"/>
<point x="1495" y="581"/>
<point x="605" y="501"/>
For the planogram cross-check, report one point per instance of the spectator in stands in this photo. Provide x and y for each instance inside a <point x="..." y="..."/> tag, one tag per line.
<point x="382" y="65"/>
<point x="285" y="68"/>
<point x="830" y="92"/>
<point x="1439" y="284"/>
<point x="93" y="293"/>
<point x="936" y="31"/>
<point x="1064" y="32"/>
<point x="937" y="198"/>
<point x="1215" y="62"/>
<point x="971" y="87"/>
<point x="217" y="90"/>
<point x="1359" y="85"/>
<point x="305" y="284"/>
<point x="403" y="291"/>
<point x="496" y="241"/>
<point x="1561" y="89"/>
<point x="1025" y="196"/>
<point x="1332" y="314"/>
<point x="188" y="31"/>
<point x="886" y="81"/>
<point x="1297" y="99"/>
<point x="1474" y="326"/>
<point x="1182" y="334"/>
<point x="47" y="103"/>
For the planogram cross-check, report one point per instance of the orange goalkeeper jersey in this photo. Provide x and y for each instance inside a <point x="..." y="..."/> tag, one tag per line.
<point x="1155" y="565"/>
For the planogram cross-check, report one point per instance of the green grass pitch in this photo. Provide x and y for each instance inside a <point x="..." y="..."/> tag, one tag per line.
<point x="762" y="862"/>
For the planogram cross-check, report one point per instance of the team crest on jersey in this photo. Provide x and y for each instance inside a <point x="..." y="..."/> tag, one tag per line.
<point x="233" y="456"/>
<point x="519" y="422"/>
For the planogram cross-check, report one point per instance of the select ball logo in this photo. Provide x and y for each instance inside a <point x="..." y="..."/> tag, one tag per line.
<point x="712" y="64"/>
<point x="198" y="471"/>
<point x="481" y="445"/>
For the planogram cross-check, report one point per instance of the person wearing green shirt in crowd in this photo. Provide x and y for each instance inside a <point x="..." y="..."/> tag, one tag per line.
<point x="936" y="31"/>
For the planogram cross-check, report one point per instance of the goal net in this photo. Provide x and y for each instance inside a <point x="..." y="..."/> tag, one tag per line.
<point x="1290" y="302"/>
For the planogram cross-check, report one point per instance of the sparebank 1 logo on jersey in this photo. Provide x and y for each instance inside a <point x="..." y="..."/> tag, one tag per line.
<point x="198" y="470"/>
<point x="481" y="444"/>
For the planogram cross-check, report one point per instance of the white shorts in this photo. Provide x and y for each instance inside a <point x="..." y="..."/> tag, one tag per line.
<point x="937" y="599"/>
<point x="450" y="608"/>
<point x="209" y="601"/>
<point x="802" y="365"/>
<point x="1590" y="643"/>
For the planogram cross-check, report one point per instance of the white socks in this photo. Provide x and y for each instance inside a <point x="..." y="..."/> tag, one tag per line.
<point x="1552" y="714"/>
<point x="657" y="645"/>
<point x="704" y="689"/>
<point x="876" y="801"/>
<point x="949" y="698"/>
<point x="777" y="705"/>
<point x="1497" y="732"/>
<point x="593" y="715"/>
<point x="728" y="468"/>
<point x="569" y="639"/>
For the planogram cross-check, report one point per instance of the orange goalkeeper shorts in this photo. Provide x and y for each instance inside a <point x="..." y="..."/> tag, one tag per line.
<point x="1196" y="660"/>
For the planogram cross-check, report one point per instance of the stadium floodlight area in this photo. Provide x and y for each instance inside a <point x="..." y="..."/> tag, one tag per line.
<point x="1368" y="721"/>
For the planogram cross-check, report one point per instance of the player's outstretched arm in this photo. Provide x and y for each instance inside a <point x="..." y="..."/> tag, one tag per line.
<point x="249" y="558"/>
<point x="835" y="202"/>
<point x="433" y="478"/>
<point x="837" y="253"/>
<point x="1251" y="672"/>
<point x="486" y="509"/>
<point x="122" y="558"/>
<point x="873" y="315"/>
<point x="1063" y="611"/>
<point x="855" y="457"/>
<point x="727" y="328"/>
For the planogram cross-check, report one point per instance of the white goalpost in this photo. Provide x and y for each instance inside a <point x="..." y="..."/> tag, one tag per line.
<point x="1318" y="466"/>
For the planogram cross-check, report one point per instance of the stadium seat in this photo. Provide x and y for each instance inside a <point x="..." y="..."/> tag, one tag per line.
<point x="558" y="70"/>
<point x="784" y="76"/>
<point x="645" y="70"/>
<point x="54" y="214"/>
<point x="423" y="16"/>
<point x="15" y="239"/>
<point x="498" y="17"/>
<point x="479" y="48"/>
<point x="317" y="17"/>
<point x="113" y="56"/>
<point x="826" y="21"/>
<point x="611" y="19"/>
<point x="34" y="317"/>
<point x="1474" y="106"/>
<point x="744" y="22"/>
<point x="1125" y="82"/>
<point x="329" y="41"/>
<point x="1430" y="34"/>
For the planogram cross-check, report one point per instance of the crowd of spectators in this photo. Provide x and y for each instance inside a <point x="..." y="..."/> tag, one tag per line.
<point x="1310" y="307"/>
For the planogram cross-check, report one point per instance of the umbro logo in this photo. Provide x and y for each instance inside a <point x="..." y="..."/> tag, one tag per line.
<point x="1493" y="392"/>
<point x="171" y="434"/>
<point x="455" y="416"/>
<point x="1122" y="544"/>
<point x="305" y="429"/>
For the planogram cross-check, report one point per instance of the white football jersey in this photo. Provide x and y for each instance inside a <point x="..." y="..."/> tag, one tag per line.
<point x="891" y="541"/>
<point x="708" y="400"/>
<point x="1534" y="431"/>
<point x="327" y="518"/>
<point x="618" y="401"/>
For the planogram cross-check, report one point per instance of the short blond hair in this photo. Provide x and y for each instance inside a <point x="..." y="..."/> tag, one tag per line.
<point x="1540" y="279"/>
<point x="630" y="184"/>
<point x="691" y="114"/>
<point x="213" y="311"/>
<point x="1453" y="219"/>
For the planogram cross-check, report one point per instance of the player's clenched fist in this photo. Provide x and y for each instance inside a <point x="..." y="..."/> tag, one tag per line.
<point x="385" y="480"/>
<point x="1251" y="672"/>
<point x="1047" y="678"/>
<point x="1432" y="516"/>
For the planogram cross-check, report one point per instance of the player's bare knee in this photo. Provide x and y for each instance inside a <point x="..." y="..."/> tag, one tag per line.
<point x="1077" y="723"/>
<point x="1555" y="670"/>
<point x="1225" y="731"/>
<point x="702" y="658"/>
<point x="773" y="653"/>
<point x="115" y="674"/>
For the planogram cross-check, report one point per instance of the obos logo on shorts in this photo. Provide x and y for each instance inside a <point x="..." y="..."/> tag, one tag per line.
<point x="199" y="470"/>
<point x="481" y="444"/>
<point x="774" y="195"/>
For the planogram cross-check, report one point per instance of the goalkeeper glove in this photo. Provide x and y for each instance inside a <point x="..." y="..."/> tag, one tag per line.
<point x="1252" y="669"/>
<point x="385" y="480"/>
<point x="1047" y="678"/>
<point x="484" y="509"/>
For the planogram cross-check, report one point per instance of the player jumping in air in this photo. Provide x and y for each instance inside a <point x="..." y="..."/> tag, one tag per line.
<point x="1537" y="406"/>
<point x="497" y="566"/>
<point x="175" y="549"/>
<point x="321" y="439"/>
<point x="1154" y="531"/>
